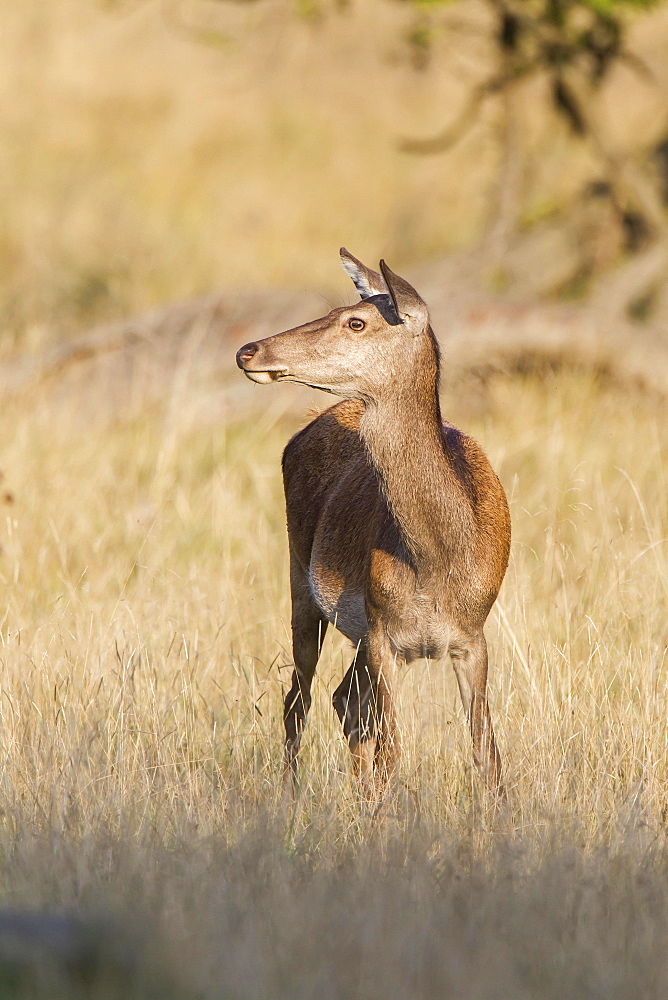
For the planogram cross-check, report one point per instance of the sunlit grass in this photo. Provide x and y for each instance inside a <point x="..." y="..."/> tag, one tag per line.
<point x="145" y="651"/>
<point x="146" y="641"/>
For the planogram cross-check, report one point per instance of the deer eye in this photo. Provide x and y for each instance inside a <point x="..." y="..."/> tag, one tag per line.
<point x="356" y="324"/>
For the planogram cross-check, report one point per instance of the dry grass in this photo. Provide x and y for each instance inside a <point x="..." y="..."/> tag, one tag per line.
<point x="144" y="652"/>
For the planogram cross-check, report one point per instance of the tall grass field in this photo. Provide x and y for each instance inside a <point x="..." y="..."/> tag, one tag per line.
<point x="145" y="650"/>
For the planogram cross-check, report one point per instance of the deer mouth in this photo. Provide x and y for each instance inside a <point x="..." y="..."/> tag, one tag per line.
<point x="267" y="376"/>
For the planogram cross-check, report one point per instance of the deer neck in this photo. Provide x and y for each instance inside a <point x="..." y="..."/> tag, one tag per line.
<point x="403" y="436"/>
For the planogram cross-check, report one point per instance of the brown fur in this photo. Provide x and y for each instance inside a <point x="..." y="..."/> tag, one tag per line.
<point x="399" y="529"/>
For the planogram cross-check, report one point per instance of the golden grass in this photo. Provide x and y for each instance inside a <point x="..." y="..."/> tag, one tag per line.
<point x="145" y="649"/>
<point x="146" y="639"/>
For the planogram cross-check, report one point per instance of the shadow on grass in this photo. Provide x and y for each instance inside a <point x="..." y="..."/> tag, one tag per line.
<point x="424" y="916"/>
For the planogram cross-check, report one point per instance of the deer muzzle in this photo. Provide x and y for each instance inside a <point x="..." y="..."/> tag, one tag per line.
<point x="257" y="367"/>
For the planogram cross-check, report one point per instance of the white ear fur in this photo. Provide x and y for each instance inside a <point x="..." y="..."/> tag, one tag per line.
<point x="367" y="282"/>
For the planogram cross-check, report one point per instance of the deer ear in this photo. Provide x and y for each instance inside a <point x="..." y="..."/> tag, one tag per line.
<point x="409" y="306"/>
<point x="367" y="282"/>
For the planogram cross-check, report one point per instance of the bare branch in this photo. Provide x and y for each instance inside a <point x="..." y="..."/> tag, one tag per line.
<point x="458" y="129"/>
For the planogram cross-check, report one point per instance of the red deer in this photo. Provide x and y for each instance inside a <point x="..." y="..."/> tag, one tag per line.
<point x="399" y="529"/>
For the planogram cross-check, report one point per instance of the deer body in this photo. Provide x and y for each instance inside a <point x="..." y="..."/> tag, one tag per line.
<point x="399" y="529"/>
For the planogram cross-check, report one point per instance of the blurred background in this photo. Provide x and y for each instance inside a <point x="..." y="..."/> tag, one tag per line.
<point x="499" y="151"/>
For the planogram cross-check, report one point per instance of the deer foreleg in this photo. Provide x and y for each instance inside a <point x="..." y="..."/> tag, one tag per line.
<point x="382" y="670"/>
<point x="470" y="664"/>
<point x="365" y="706"/>
<point x="355" y="704"/>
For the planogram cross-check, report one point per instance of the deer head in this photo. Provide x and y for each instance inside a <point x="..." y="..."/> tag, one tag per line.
<point x="358" y="351"/>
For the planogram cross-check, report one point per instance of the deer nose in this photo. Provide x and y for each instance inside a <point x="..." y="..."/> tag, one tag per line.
<point x="245" y="353"/>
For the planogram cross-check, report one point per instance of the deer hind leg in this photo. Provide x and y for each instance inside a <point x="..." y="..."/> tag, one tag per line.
<point x="470" y="665"/>
<point x="308" y="633"/>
